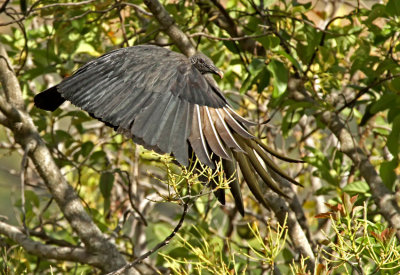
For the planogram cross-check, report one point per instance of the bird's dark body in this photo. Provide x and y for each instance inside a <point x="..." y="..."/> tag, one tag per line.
<point x="163" y="101"/>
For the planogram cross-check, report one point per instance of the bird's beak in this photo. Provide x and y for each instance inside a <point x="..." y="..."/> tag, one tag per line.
<point x="213" y="69"/>
<point x="220" y="73"/>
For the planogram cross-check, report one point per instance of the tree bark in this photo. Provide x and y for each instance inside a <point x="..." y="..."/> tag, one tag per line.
<point x="384" y="199"/>
<point x="20" y="123"/>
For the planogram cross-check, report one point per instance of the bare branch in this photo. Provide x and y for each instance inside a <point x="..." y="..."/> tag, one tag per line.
<point x="9" y="81"/>
<point x="3" y="7"/>
<point x="24" y="164"/>
<point x="225" y="22"/>
<point x="159" y="245"/>
<point x="137" y="8"/>
<point x="384" y="199"/>
<point x="20" y="123"/>
<point x="65" y="5"/>
<point x="366" y="89"/>
<point x="3" y="119"/>
<point x="297" y="232"/>
<point x="75" y="254"/>
<point x="13" y="22"/>
<point x="122" y="22"/>
<point x="168" y="25"/>
<point x="227" y="38"/>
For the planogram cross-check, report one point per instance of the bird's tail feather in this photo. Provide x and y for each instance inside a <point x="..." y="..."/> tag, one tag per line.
<point x="230" y="172"/>
<point x="250" y="164"/>
<point x="223" y="132"/>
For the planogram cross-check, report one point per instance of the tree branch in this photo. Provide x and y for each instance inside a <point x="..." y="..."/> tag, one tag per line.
<point x="384" y="199"/>
<point x="159" y="245"/>
<point x="279" y="205"/>
<point x="9" y="81"/>
<point x="225" y="22"/>
<point x="168" y="25"/>
<point x="56" y="5"/>
<point x="20" y="123"/>
<point x="227" y="38"/>
<point x="297" y="231"/>
<point x="74" y="254"/>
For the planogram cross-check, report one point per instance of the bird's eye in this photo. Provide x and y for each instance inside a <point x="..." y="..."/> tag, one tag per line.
<point x="201" y="61"/>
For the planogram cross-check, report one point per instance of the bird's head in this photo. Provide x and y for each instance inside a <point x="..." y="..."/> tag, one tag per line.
<point x="205" y="65"/>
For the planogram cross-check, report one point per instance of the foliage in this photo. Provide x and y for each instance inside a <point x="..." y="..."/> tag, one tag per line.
<point x="358" y="243"/>
<point x="346" y="56"/>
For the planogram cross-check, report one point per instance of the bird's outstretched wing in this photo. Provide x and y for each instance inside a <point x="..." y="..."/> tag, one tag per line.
<point x="156" y="97"/>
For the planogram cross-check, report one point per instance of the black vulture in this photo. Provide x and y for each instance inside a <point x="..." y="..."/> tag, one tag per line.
<point x="166" y="102"/>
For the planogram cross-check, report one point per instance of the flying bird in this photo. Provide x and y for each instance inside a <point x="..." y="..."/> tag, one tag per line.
<point x="168" y="103"/>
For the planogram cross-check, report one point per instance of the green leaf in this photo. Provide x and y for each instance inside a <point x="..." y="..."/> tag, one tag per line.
<point x="231" y="46"/>
<point x="35" y="72"/>
<point x="301" y="8"/>
<point x="393" y="141"/>
<point x="289" y="121"/>
<point x="268" y="3"/>
<point x="84" y="47"/>
<point x="385" y="65"/>
<point x="294" y="113"/>
<point x="255" y="69"/>
<point x="61" y="136"/>
<point x="253" y="25"/>
<point x="387" y="100"/>
<point x="201" y="205"/>
<point x="293" y="60"/>
<point x="269" y="42"/>
<point x="98" y="157"/>
<point x="324" y="190"/>
<point x="306" y="49"/>
<point x="319" y="160"/>
<point x="43" y="58"/>
<point x="263" y="80"/>
<point x="106" y="185"/>
<point x="256" y="66"/>
<point x="393" y="7"/>
<point x="246" y="84"/>
<point x="394" y="85"/>
<point x="378" y="10"/>
<point x="161" y="231"/>
<point x="356" y="187"/>
<point x="387" y="172"/>
<point x="87" y="147"/>
<point x="179" y="252"/>
<point x="32" y="197"/>
<point x="76" y="114"/>
<point x="280" y="77"/>
<point x="383" y="127"/>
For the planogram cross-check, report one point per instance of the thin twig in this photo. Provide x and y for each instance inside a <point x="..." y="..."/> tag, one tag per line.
<point x="3" y="7"/>
<point x="227" y="38"/>
<point x="365" y="90"/>
<point x="322" y="41"/>
<point x="65" y="5"/>
<point x="138" y="8"/>
<point x="24" y="163"/>
<point x="20" y="123"/>
<point x="122" y="22"/>
<point x="130" y="194"/>
<point x="159" y="245"/>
